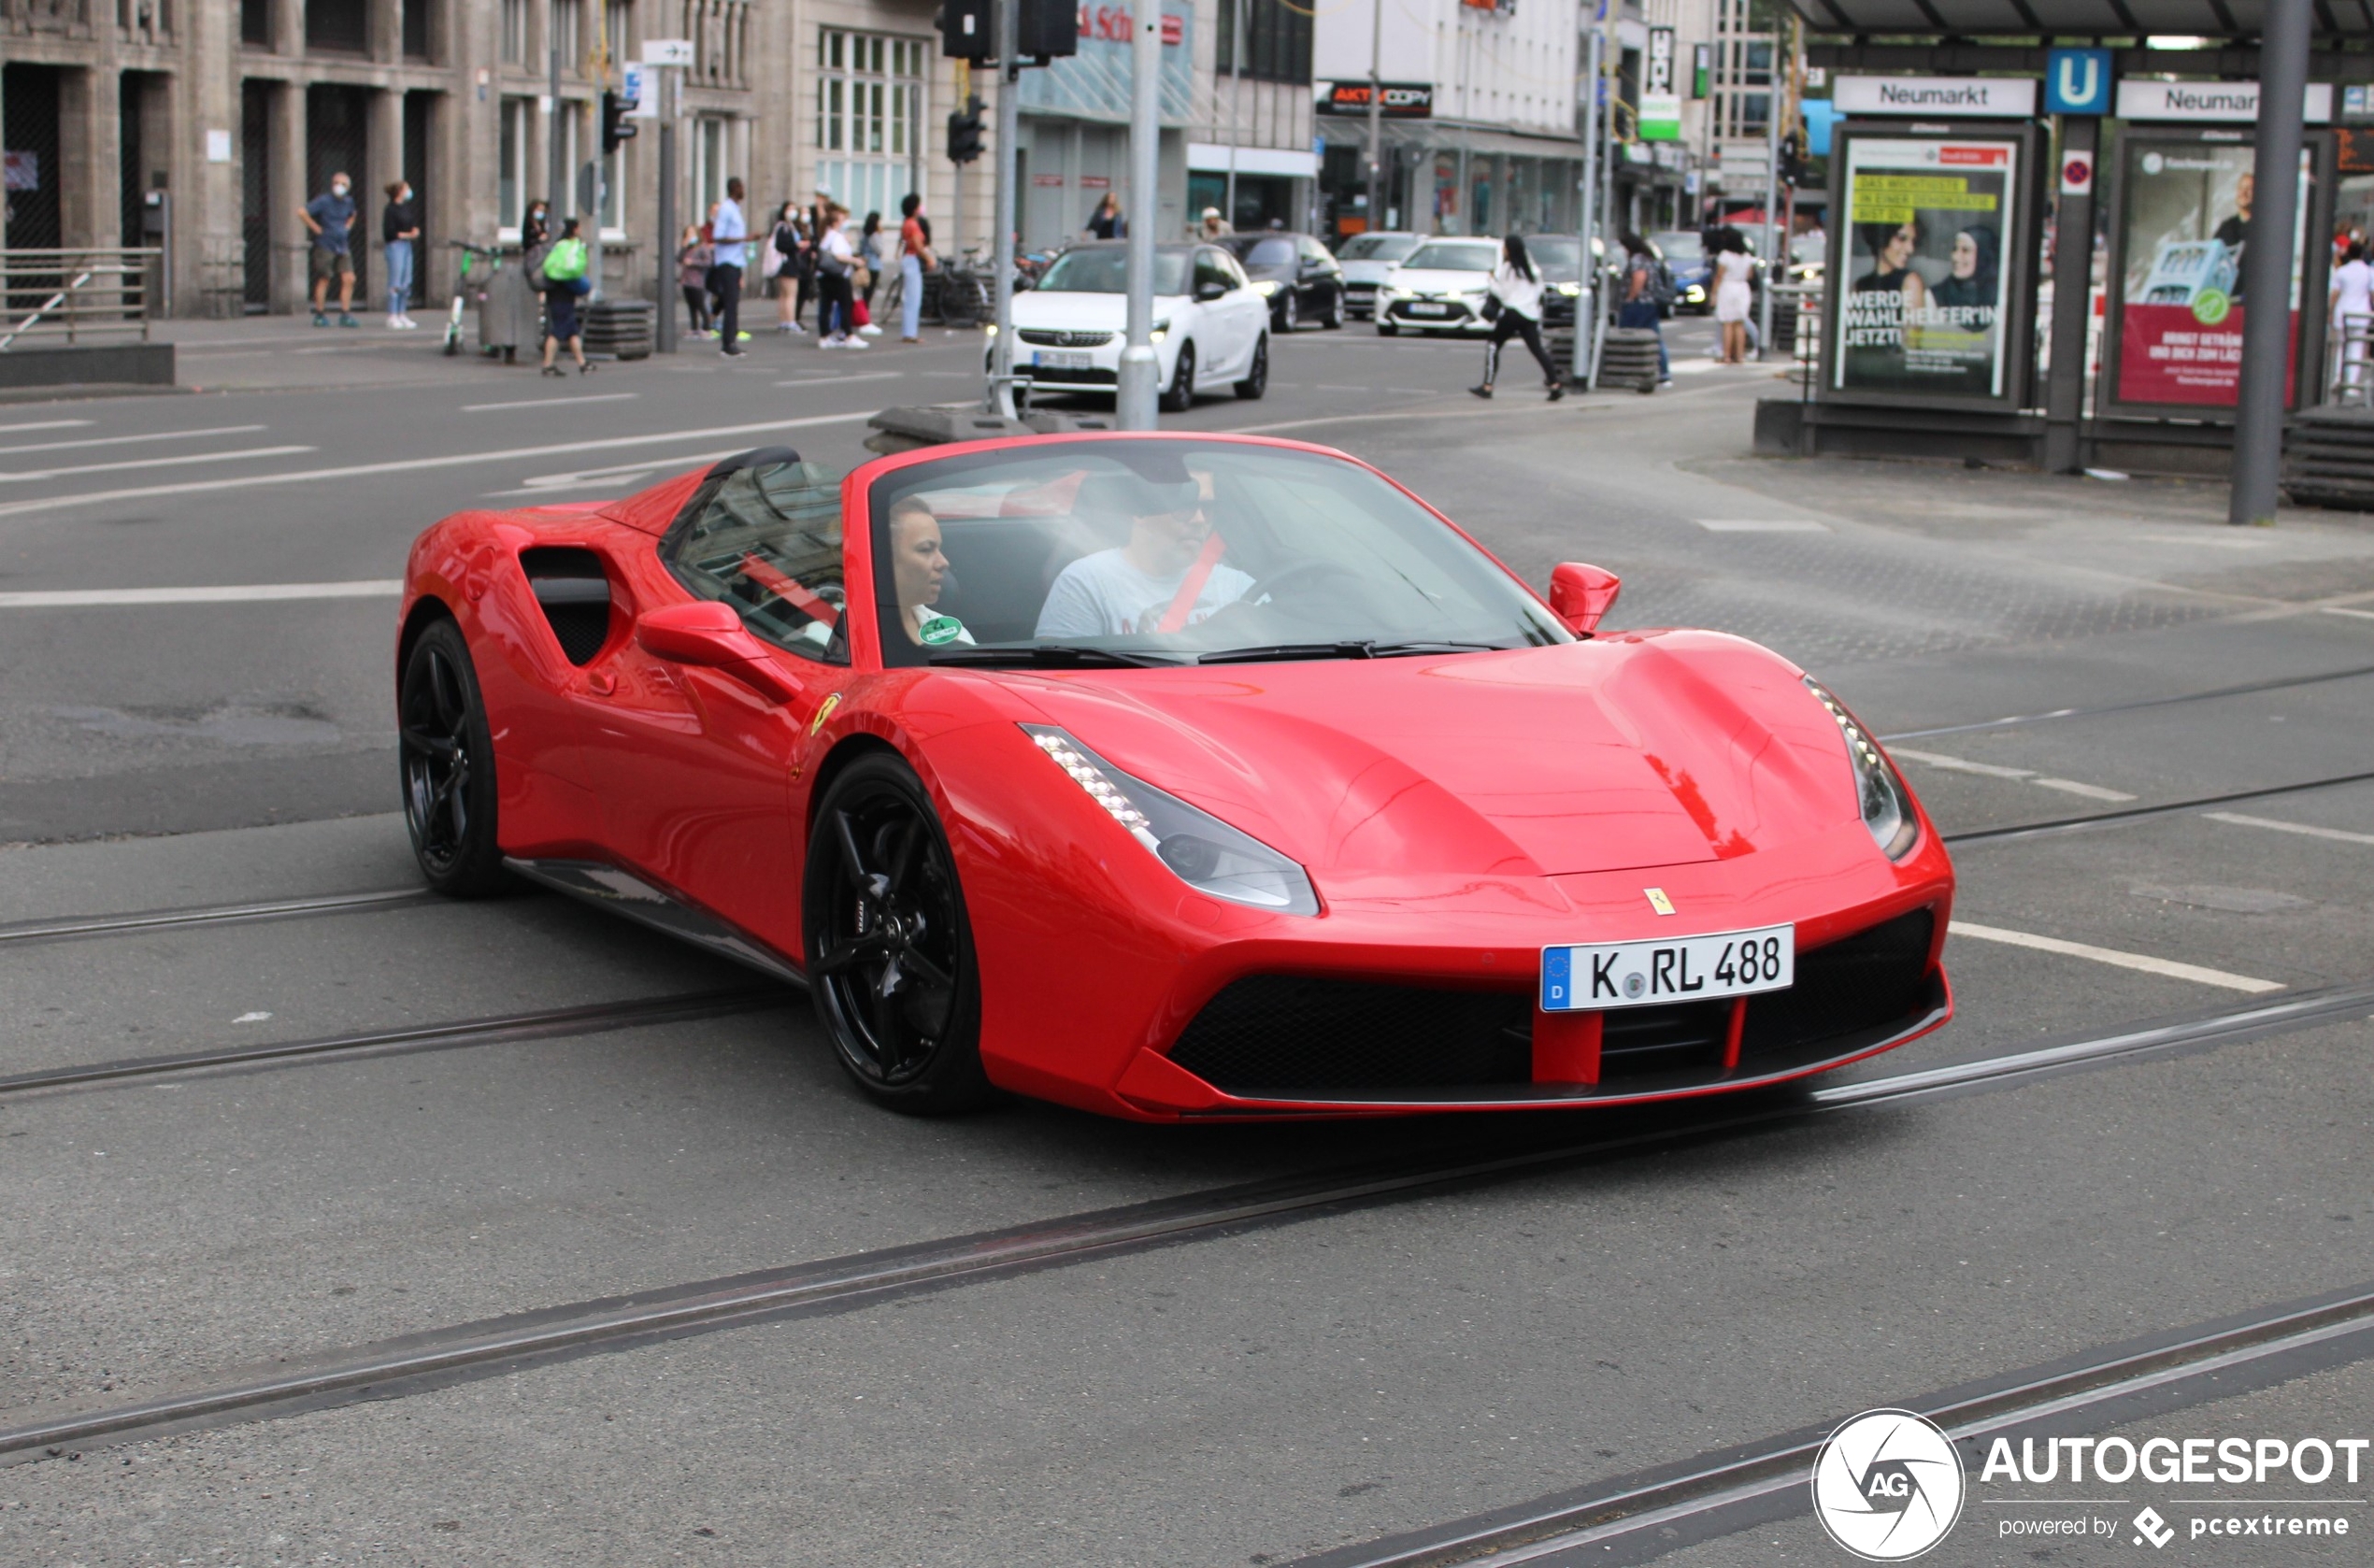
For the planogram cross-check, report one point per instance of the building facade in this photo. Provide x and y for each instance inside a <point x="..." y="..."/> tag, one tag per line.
<point x="239" y="111"/>
<point x="1481" y="132"/>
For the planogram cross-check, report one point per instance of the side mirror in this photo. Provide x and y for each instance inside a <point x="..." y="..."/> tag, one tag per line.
<point x="711" y="634"/>
<point x="1579" y="594"/>
<point x="1207" y="291"/>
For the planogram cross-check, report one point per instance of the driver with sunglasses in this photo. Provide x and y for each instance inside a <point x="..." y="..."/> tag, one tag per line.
<point x="1168" y="577"/>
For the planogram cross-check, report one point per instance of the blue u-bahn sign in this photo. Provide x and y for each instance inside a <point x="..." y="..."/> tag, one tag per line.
<point x="2077" y="81"/>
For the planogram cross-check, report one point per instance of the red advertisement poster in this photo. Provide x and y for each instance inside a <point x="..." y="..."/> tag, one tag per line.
<point x="2168" y="354"/>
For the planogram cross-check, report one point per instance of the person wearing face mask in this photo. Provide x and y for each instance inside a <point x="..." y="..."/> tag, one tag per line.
<point x="330" y="216"/>
<point x="535" y="225"/>
<point x="400" y="230"/>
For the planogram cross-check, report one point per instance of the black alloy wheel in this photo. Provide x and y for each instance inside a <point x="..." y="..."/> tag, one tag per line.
<point x="889" y="954"/>
<point x="1256" y="379"/>
<point x="445" y="759"/>
<point x="1179" y="395"/>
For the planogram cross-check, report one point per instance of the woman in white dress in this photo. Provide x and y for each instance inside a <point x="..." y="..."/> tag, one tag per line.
<point x="1733" y="268"/>
<point x="2352" y="315"/>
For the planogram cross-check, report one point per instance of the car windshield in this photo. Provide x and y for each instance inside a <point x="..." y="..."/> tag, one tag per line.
<point x="1104" y="269"/>
<point x="1558" y="257"/>
<point x="1269" y="250"/>
<point x="1808" y="250"/>
<point x="1454" y="255"/>
<point x="1173" y="551"/>
<point x="1376" y="248"/>
<point x="1680" y="245"/>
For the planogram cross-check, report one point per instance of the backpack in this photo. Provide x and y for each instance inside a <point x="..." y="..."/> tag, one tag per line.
<point x="565" y="262"/>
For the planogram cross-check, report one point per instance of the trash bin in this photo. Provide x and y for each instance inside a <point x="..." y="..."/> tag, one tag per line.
<point x="509" y="313"/>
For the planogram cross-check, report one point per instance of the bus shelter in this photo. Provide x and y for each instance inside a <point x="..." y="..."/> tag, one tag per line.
<point x="2042" y="216"/>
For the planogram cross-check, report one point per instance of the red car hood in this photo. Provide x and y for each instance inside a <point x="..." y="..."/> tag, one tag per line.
<point x="1639" y="749"/>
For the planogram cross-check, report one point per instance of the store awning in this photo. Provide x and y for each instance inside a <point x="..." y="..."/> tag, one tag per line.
<point x="2219" y="20"/>
<point x="1212" y="157"/>
<point x="1439" y="135"/>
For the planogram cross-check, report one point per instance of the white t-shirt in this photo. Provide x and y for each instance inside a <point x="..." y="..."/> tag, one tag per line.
<point x="2353" y="289"/>
<point x="1517" y="291"/>
<point x="1105" y="595"/>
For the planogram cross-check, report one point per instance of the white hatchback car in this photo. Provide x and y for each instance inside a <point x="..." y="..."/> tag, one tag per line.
<point x="1439" y="287"/>
<point x="1211" y="329"/>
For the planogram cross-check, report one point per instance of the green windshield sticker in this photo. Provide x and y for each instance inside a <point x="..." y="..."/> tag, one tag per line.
<point x="941" y="629"/>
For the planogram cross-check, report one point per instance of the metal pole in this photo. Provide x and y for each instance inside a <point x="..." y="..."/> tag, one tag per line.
<point x="2072" y="302"/>
<point x="1236" y="102"/>
<point x="2267" y="264"/>
<point x="1587" y="303"/>
<point x="1776" y="260"/>
<point x="1140" y="371"/>
<point x="1376" y="115"/>
<point x="556" y="169"/>
<point x="1010" y="122"/>
<point x="665" y="325"/>
<point x="1600" y="317"/>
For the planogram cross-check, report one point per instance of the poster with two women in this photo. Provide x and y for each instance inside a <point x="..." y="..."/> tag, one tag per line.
<point x="1923" y="276"/>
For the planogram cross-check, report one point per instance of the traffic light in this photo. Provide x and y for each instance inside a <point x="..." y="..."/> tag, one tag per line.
<point x="1793" y="169"/>
<point x="965" y="132"/>
<point x="616" y="127"/>
<point x="966" y="32"/>
<point x="1045" y="29"/>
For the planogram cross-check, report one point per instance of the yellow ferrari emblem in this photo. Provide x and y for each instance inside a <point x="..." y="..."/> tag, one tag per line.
<point x="823" y="711"/>
<point x="1658" y="901"/>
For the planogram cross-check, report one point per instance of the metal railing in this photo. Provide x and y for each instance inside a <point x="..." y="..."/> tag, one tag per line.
<point x="47" y="297"/>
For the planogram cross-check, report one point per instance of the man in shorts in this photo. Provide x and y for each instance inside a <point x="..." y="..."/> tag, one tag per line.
<point x="330" y="216"/>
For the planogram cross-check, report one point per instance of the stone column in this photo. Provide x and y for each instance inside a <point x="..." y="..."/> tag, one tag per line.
<point x="89" y="187"/>
<point x="286" y="182"/>
<point x="386" y="162"/>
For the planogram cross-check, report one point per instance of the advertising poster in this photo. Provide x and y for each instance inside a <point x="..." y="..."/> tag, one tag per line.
<point x="2184" y="213"/>
<point x="1926" y="273"/>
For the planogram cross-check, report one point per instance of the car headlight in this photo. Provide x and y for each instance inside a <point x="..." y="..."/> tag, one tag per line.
<point x="1572" y="290"/>
<point x="990" y="328"/>
<point x="1161" y="330"/>
<point x="1265" y="287"/>
<point x="1887" y="812"/>
<point x="1197" y="848"/>
<point x="1694" y="294"/>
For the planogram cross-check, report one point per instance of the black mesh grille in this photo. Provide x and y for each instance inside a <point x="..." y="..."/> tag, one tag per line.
<point x="1279" y="1032"/>
<point x="575" y="597"/>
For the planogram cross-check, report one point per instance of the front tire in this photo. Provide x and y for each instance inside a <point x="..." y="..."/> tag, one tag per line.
<point x="1289" y="310"/>
<point x="1333" y="321"/>
<point x="888" y="950"/>
<point x="1256" y="379"/>
<point x="445" y="761"/>
<point x="1179" y="395"/>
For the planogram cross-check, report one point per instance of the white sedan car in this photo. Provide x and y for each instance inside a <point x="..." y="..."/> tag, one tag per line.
<point x="1439" y="287"/>
<point x="1211" y="329"/>
<point x="1367" y="260"/>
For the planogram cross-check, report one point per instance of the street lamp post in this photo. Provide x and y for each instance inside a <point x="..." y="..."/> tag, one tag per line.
<point x="1139" y="370"/>
<point x="1376" y="115"/>
<point x="1010" y="122"/>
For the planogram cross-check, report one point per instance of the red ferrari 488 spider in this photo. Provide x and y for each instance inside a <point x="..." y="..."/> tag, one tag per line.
<point x="1167" y="777"/>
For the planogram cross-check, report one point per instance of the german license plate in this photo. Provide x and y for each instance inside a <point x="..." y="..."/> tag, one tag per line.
<point x="1430" y="310"/>
<point x="1660" y="973"/>
<point x="1059" y="359"/>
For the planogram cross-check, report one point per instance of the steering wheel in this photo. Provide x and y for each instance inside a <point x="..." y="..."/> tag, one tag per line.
<point x="1302" y="572"/>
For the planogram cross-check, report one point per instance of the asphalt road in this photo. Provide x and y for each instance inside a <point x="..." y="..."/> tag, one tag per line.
<point x="1254" y="1393"/>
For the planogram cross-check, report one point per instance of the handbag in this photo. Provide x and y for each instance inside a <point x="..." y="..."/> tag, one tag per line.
<point x="865" y="317"/>
<point x="1491" y="307"/>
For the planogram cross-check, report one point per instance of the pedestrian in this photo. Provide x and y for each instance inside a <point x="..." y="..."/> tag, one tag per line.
<point x="330" y="216"/>
<point x="1213" y="226"/>
<point x="2351" y="313"/>
<point x="565" y="271"/>
<point x="1516" y="283"/>
<point x="400" y="232"/>
<point x="693" y="259"/>
<point x="915" y="259"/>
<point x="835" y="270"/>
<point x="536" y="225"/>
<point x="1640" y="311"/>
<point x="1106" y="222"/>
<point x="730" y="233"/>
<point x="1734" y="294"/>
<point x="812" y="226"/>
<point x="785" y="248"/>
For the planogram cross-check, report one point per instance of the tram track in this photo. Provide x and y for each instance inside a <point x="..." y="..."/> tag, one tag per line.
<point x="1637" y="1517"/>
<point x="2020" y="720"/>
<point x="142" y="921"/>
<point x="392" y="1368"/>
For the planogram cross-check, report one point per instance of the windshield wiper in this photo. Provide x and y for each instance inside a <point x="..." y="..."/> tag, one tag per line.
<point x="1361" y="649"/>
<point x="1046" y="656"/>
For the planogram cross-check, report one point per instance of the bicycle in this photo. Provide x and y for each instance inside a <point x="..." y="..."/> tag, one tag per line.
<point x="959" y="295"/>
<point x="462" y="289"/>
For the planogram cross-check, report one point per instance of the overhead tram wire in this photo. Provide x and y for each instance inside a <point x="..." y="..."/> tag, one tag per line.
<point x="487" y="1349"/>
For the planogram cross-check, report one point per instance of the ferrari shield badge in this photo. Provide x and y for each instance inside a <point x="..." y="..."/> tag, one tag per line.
<point x="940" y="629"/>
<point x="823" y="711"/>
<point x="1658" y="901"/>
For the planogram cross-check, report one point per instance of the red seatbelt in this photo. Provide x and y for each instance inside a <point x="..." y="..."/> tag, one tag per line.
<point x="787" y="589"/>
<point x="1191" y="587"/>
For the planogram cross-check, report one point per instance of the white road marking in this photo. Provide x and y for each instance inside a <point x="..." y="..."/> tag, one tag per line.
<point x="2362" y="615"/>
<point x="2338" y="835"/>
<point x="130" y="440"/>
<point x="843" y="381"/>
<point x="2111" y="956"/>
<point x="2071" y="786"/>
<point x="1763" y="525"/>
<point x="42" y="424"/>
<point x="1956" y="764"/>
<point x="547" y="401"/>
<point x="73" y="598"/>
<point x="416" y="464"/>
<point x="2213" y="541"/>
<point x="244" y="453"/>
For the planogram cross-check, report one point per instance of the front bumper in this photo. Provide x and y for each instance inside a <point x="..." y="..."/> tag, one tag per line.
<point x="1360" y="300"/>
<point x="1068" y="365"/>
<point x="1436" y="315"/>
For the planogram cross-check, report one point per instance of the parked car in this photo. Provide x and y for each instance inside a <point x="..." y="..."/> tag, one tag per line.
<point x="1366" y="259"/>
<point x="1559" y="259"/>
<point x="1211" y="326"/>
<point x="1297" y="274"/>
<point x="1440" y="287"/>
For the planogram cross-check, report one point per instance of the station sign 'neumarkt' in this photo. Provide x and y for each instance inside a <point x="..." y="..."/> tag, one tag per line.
<point x="1993" y="97"/>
